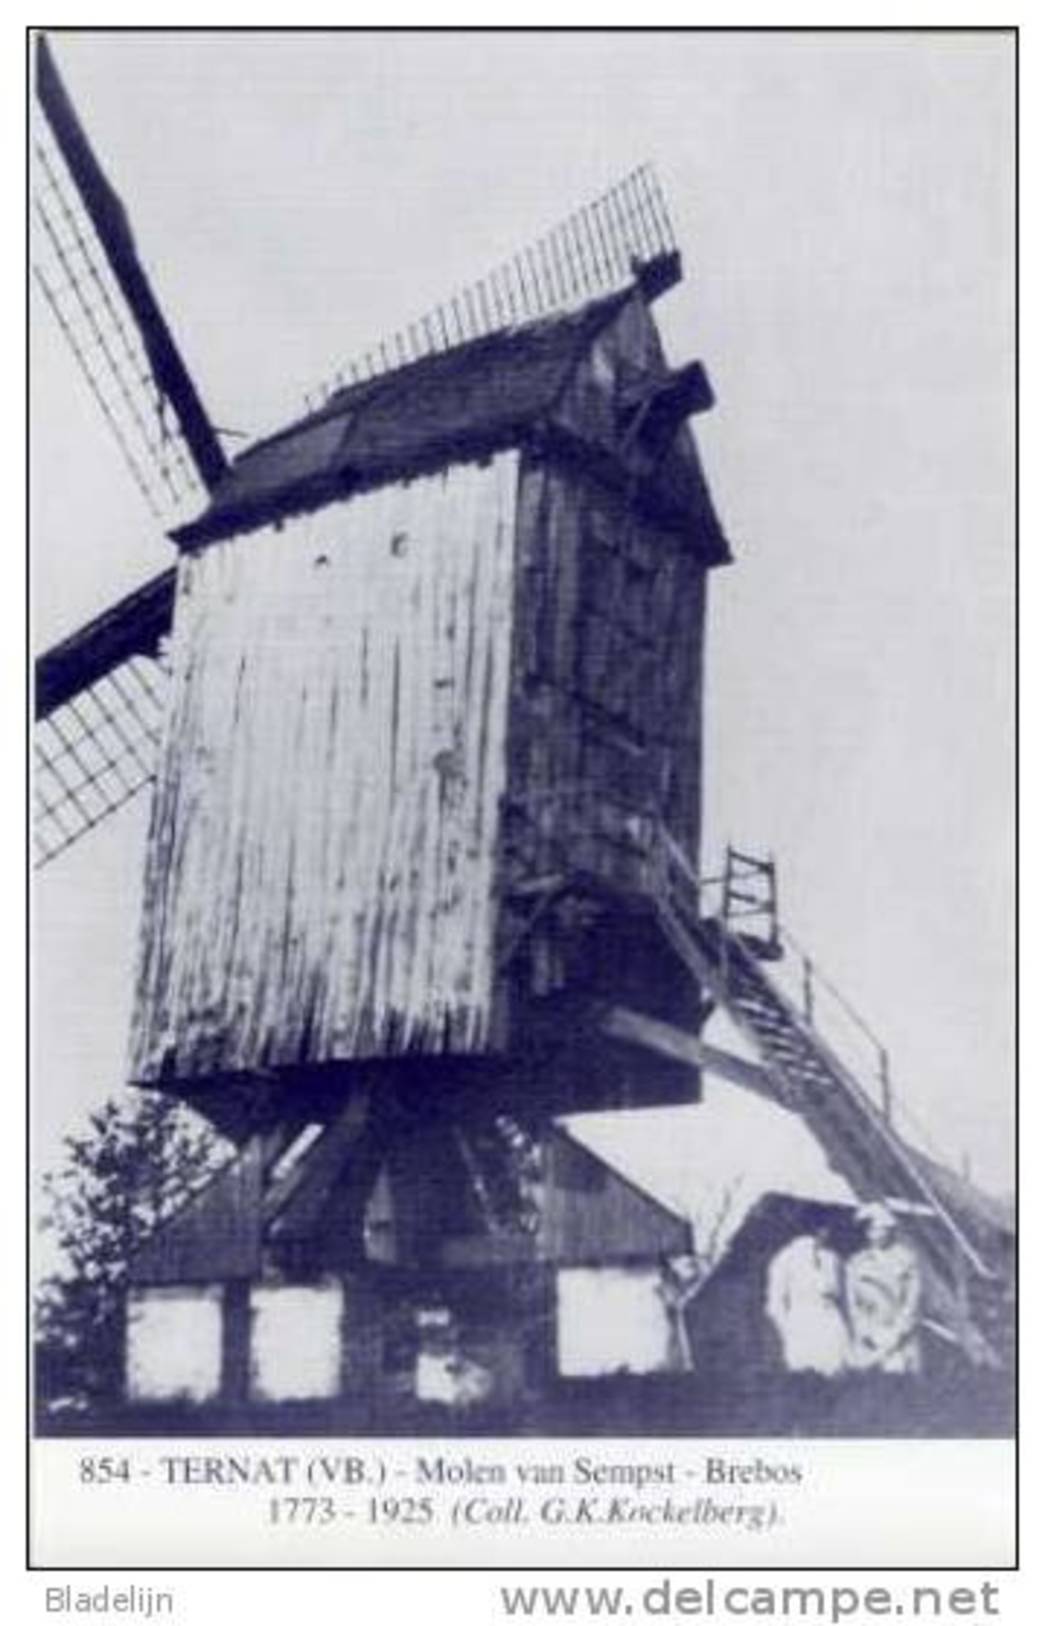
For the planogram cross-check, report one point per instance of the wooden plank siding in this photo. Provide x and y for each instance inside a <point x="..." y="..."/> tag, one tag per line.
<point x="216" y="1235"/>
<point x="591" y="1214"/>
<point x="322" y="856"/>
<point x="606" y="677"/>
<point x="607" y="671"/>
<point x="605" y="729"/>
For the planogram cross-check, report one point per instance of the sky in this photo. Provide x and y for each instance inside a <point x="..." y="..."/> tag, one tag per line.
<point x="844" y="208"/>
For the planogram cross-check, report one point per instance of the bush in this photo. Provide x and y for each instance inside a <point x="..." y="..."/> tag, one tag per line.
<point x="139" y="1160"/>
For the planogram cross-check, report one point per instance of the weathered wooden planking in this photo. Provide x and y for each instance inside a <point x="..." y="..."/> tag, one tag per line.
<point x="216" y="1235"/>
<point x="607" y="674"/>
<point x="603" y="405"/>
<point x="591" y="1214"/>
<point x="321" y="860"/>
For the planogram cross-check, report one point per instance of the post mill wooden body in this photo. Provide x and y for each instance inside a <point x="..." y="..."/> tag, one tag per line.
<point x="436" y="658"/>
<point x="421" y="873"/>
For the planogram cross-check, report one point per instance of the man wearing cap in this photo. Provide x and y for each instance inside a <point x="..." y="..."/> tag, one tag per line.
<point x="882" y="1296"/>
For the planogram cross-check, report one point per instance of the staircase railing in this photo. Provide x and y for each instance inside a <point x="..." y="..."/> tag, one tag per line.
<point x="748" y="892"/>
<point x="818" y="991"/>
<point x="676" y="881"/>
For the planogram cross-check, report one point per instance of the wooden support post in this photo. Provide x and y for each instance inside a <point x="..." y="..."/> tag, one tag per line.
<point x="774" y="925"/>
<point x="295" y="1204"/>
<point x="727" y="886"/>
<point x="540" y="1337"/>
<point x="666" y="1040"/>
<point x="235" y="1341"/>
<point x="361" y="1338"/>
<point x="972" y="1340"/>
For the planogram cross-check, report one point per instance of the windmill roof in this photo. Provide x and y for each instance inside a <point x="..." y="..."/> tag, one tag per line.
<point x="460" y="402"/>
<point x="978" y="1209"/>
<point x="711" y="1161"/>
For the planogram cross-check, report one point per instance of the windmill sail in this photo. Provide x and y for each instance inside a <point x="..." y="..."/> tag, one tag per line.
<point x="625" y="235"/>
<point x="99" y="694"/>
<point x="78" y="261"/>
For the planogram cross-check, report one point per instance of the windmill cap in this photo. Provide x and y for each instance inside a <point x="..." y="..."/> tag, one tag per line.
<point x="500" y="390"/>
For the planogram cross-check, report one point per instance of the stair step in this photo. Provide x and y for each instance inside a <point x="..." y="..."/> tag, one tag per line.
<point x="809" y="1069"/>
<point x="819" y="1079"/>
<point x="801" y="1077"/>
<point x="765" y="1019"/>
<point x="790" y="1057"/>
<point x="792" y="1053"/>
<point x="803" y="1054"/>
<point x="777" y="1029"/>
<point x="800" y="1064"/>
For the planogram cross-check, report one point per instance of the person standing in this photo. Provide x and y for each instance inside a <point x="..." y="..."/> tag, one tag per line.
<point x="804" y="1303"/>
<point x="882" y="1296"/>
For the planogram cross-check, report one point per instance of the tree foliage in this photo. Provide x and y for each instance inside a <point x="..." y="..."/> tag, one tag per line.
<point x="136" y="1164"/>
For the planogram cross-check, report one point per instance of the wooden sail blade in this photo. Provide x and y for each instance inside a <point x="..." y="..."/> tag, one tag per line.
<point x="108" y="220"/>
<point x="71" y="273"/>
<point x="132" y="626"/>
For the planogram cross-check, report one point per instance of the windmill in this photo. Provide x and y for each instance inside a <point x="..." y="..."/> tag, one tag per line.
<point x="422" y="704"/>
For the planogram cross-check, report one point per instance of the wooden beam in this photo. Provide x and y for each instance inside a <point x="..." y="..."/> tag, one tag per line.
<point x="109" y="219"/>
<point x="235" y="1341"/>
<point x="133" y="626"/>
<point x="667" y="1040"/>
<point x="294" y="1205"/>
<point x="655" y="277"/>
<point x="593" y="1213"/>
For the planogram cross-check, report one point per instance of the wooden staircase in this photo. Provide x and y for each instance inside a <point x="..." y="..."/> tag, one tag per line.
<point x="808" y="1077"/>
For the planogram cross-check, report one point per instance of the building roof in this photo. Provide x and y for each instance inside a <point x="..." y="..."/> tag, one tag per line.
<point x="466" y="402"/>
<point x="985" y="1214"/>
<point x="711" y="1161"/>
<point x="474" y="398"/>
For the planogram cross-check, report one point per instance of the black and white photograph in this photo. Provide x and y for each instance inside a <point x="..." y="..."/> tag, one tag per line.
<point x="522" y="543"/>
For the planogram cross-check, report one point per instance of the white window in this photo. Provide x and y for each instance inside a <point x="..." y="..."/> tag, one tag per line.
<point x="174" y="1343"/>
<point x="296" y="1341"/>
<point x="612" y="1319"/>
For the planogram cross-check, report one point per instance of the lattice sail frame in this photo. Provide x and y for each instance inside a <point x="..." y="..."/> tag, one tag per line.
<point x="95" y="752"/>
<point x="593" y="251"/>
<point x="70" y="268"/>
